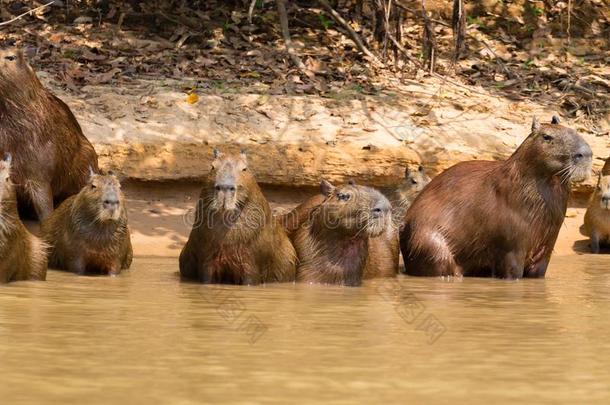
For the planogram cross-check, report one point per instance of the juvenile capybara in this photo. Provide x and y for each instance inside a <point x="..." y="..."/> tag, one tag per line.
<point x="88" y="232"/>
<point x="51" y="156"/>
<point x="22" y="255"/>
<point x="344" y="235"/>
<point x="498" y="219"/>
<point x="406" y="192"/>
<point x="413" y="183"/>
<point x="235" y="239"/>
<point x="597" y="217"/>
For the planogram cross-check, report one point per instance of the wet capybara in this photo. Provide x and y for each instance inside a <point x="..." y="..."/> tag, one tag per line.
<point x="51" y="156"/>
<point x="344" y="235"/>
<point x="22" y="255"/>
<point x="501" y="218"/>
<point x="235" y="239"/>
<point x="597" y="217"/>
<point x="88" y="232"/>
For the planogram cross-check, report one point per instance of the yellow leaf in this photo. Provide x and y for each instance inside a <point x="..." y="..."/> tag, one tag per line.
<point x="192" y="98"/>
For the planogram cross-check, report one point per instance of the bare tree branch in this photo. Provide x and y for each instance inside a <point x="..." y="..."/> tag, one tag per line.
<point x="26" y="13"/>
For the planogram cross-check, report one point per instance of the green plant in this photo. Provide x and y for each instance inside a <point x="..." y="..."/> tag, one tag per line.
<point x="326" y="23"/>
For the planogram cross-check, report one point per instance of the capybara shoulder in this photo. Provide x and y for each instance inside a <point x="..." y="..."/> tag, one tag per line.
<point x="345" y="236"/>
<point x="597" y="217"/>
<point x="497" y="219"/>
<point x="88" y="233"/>
<point x="22" y="255"/>
<point x="51" y="156"/>
<point x="235" y="239"/>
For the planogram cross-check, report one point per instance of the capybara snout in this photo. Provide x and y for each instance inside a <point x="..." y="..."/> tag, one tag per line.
<point x="229" y="187"/>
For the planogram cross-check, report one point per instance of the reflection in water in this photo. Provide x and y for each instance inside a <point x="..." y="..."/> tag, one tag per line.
<point x="144" y="337"/>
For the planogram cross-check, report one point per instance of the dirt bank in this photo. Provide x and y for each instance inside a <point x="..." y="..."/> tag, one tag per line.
<point x="147" y="130"/>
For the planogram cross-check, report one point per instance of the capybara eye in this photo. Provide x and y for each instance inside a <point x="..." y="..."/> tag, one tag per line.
<point x="93" y="186"/>
<point x="413" y="181"/>
<point x="547" y="137"/>
<point x="10" y="57"/>
<point x="244" y="169"/>
<point x="343" y="197"/>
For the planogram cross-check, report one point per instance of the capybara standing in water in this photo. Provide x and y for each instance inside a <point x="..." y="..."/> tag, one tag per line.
<point x="597" y="217"/>
<point x="235" y="239"/>
<point x="498" y="219"/>
<point x="51" y="156"/>
<point x="22" y="255"/>
<point x="88" y="232"/>
<point x="344" y="235"/>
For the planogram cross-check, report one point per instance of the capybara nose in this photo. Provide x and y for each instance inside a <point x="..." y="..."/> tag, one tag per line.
<point x="583" y="152"/>
<point x="111" y="203"/>
<point x="225" y="187"/>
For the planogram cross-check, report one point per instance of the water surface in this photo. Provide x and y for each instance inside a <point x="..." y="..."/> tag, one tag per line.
<point x="145" y="338"/>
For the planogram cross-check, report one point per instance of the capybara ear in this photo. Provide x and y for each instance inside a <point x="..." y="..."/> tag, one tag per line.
<point x="535" y="124"/>
<point x="326" y="188"/>
<point x="555" y="120"/>
<point x="217" y="153"/>
<point x="420" y="169"/>
<point x="8" y="158"/>
<point x="244" y="160"/>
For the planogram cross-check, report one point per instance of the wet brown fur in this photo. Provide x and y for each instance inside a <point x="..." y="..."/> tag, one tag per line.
<point x="22" y="255"/>
<point x="241" y="245"/>
<point x="337" y="256"/>
<point x="82" y="236"/>
<point x="499" y="218"/>
<point x="51" y="156"/>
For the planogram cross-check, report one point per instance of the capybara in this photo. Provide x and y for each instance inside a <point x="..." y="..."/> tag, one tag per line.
<point x="406" y="192"/>
<point x="22" y="255"/>
<point x="51" y="156"/>
<point x="498" y="219"/>
<point x="344" y="235"/>
<point x="235" y="239"/>
<point x="88" y="232"/>
<point x="597" y="217"/>
<point x="413" y="183"/>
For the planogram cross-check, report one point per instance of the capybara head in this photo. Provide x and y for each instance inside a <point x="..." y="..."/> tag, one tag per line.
<point x="413" y="183"/>
<point x="354" y="210"/>
<point x="5" y="180"/>
<point x="14" y="68"/>
<point x="603" y="191"/>
<point x="558" y="151"/>
<point x="104" y="197"/>
<point x="232" y="181"/>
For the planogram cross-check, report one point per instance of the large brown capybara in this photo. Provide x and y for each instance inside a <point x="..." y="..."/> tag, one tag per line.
<point x="235" y="239"/>
<point x="344" y="235"/>
<point x="88" y="232"/>
<point x="597" y="217"/>
<point x="498" y="219"/>
<point x="51" y="156"/>
<point x="22" y="255"/>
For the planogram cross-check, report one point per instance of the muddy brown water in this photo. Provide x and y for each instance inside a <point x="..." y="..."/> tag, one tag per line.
<point x="145" y="338"/>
